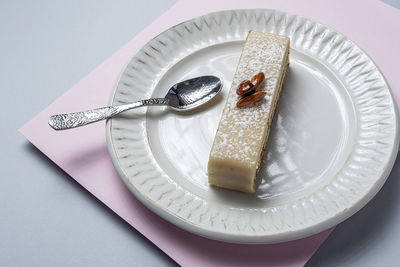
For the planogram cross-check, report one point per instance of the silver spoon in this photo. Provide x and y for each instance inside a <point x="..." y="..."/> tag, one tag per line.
<point x="182" y="96"/>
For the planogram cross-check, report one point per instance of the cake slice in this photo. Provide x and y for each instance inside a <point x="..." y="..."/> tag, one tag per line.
<point x="242" y="131"/>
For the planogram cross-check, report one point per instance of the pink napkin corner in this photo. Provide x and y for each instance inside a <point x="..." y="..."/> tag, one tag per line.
<point x="88" y="162"/>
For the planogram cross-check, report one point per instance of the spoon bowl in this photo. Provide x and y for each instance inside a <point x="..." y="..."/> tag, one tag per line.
<point x="193" y="93"/>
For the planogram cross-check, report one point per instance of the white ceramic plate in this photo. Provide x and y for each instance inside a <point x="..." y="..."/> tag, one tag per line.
<point x="332" y="145"/>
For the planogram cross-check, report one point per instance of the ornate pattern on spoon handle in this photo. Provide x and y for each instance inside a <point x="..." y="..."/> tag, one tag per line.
<point x="72" y="120"/>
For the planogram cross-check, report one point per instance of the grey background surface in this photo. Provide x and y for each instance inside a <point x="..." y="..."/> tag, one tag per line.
<point x="46" y="218"/>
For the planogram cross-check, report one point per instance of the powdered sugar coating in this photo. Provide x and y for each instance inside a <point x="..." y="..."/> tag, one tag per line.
<point x="241" y="132"/>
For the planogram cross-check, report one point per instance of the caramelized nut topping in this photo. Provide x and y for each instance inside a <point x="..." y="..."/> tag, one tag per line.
<point x="257" y="79"/>
<point x="245" y="88"/>
<point x="251" y="99"/>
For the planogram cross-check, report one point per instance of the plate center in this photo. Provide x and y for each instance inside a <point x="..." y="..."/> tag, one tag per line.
<point x="310" y="139"/>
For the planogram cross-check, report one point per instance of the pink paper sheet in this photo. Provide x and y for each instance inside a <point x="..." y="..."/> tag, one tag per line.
<point x="82" y="152"/>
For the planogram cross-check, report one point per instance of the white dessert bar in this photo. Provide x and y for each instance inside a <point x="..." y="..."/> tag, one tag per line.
<point x="242" y="132"/>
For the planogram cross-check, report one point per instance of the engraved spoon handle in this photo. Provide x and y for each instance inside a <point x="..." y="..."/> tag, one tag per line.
<point x="72" y="120"/>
